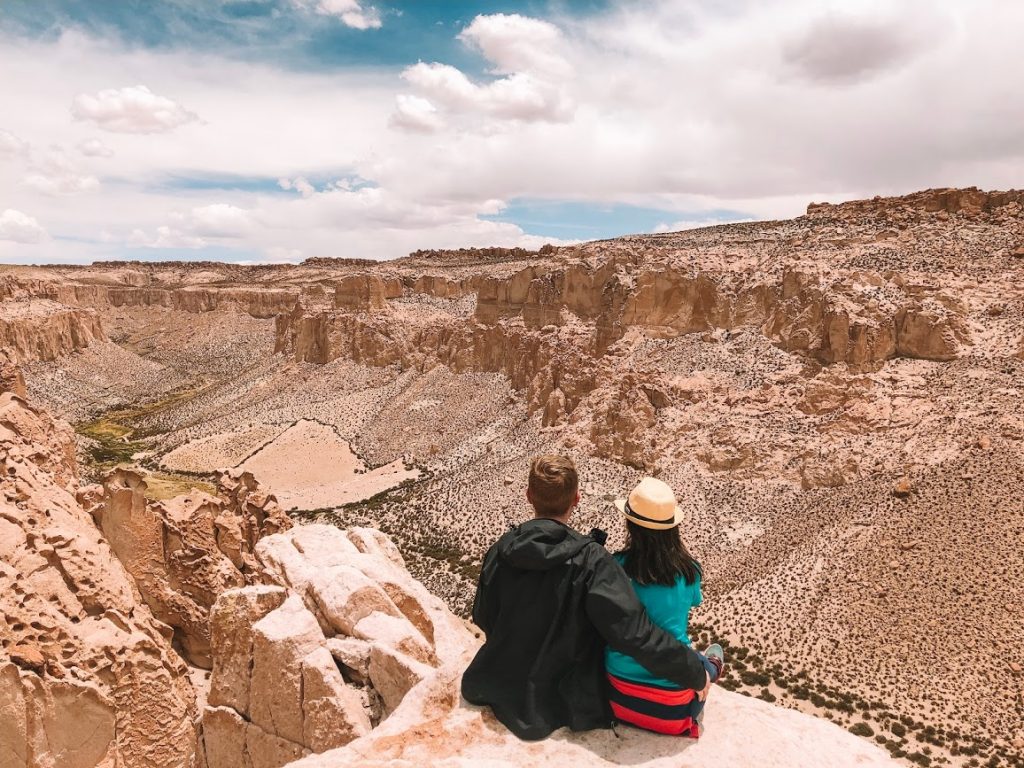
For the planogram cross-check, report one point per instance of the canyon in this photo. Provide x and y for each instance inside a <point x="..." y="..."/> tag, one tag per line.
<point x="282" y="479"/>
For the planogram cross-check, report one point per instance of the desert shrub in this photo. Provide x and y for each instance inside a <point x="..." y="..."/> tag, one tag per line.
<point x="895" y="749"/>
<point x="755" y="678"/>
<point x="861" y="729"/>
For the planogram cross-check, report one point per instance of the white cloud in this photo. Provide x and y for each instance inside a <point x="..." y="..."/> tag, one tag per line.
<point x="299" y="184"/>
<point x="52" y="172"/>
<point x="842" y="48"/>
<point x="19" y="227"/>
<point x="95" y="148"/>
<point x="11" y="144"/>
<point x="515" y="43"/>
<point x="533" y="86"/>
<point x="352" y="13"/>
<point x="220" y="220"/>
<point x="413" y="113"/>
<point x="61" y="183"/>
<point x="164" y="237"/>
<point x="520" y="96"/>
<point x="134" y="109"/>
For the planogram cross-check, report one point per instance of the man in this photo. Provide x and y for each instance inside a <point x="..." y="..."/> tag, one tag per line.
<point x="549" y="599"/>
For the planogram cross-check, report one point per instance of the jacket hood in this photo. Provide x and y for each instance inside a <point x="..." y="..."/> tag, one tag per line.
<point x="540" y="544"/>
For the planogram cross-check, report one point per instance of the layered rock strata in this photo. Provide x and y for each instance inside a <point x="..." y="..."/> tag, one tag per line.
<point x="40" y="329"/>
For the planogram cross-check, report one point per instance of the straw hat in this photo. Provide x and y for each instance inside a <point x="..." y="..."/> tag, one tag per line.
<point x="651" y="505"/>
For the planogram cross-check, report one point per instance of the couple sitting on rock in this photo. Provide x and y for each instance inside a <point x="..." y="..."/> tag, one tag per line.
<point x="578" y="637"/>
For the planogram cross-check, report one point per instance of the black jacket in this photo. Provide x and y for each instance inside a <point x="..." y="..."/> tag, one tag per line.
<point x="549" y="599"/>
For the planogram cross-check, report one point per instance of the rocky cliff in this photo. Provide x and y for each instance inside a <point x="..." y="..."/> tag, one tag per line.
<point x="40" y="329"/>
<point x="182" y="553"/>
<point x="87" y="674"/>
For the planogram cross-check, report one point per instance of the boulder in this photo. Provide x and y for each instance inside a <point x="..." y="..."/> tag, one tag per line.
<point x="313" y="661"/>
<point x="274" y="683"/>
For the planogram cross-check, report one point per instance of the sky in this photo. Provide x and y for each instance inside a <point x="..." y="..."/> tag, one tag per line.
<point x="278" y="130"/>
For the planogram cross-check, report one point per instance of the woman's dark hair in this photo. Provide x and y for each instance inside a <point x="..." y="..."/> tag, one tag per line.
<point x="658" y="557"/>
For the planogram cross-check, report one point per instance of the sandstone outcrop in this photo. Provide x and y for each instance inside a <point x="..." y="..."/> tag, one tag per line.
<point x="475" y="255"/>
<point x="258" y="303"/>
<point x="11" y="378"/>
<point x="320" y="656"/>
<point x="33" y="295"/>
<point x="40" y="329"/>
<point x="364" y="292"/>
<point x="948" y="200"/>
<point x="87" y="675"/>
<point x="184" y="552"/>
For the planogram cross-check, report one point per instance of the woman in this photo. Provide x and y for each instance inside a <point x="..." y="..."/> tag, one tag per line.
<point x="667" y="581"/>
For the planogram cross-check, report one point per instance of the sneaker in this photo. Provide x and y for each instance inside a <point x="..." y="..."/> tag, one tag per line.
<point x="716" y="656"/>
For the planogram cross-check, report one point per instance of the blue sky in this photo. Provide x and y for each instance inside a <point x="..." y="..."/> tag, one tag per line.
<point x="278" y="31"/>
<point x="567" y="219"/>
<point x="277" y="130"/>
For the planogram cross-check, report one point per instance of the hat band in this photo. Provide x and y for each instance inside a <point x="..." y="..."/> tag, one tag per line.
<point x="631" y="513"/>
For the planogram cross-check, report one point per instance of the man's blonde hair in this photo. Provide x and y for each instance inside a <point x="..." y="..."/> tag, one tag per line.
<point x="553" y="484"/>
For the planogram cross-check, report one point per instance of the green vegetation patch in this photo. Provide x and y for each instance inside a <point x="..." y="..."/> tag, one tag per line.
<point x="116" y="436"/>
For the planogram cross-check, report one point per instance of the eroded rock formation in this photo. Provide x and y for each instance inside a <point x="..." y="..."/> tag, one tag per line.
<point x="87" y="675"/>
<point x="321" y="656"/>
<point x="184" y="552"/>
<point x="40" y="329"/>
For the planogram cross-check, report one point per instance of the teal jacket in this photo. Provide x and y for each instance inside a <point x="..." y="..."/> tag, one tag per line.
<point x="669" y="608"/>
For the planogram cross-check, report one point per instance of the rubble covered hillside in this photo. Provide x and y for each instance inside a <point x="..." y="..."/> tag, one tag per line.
<point x="835" y="399"/>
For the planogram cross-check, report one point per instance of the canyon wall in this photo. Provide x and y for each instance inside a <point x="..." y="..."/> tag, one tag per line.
<point x="556" y="332"/>
<point x="40" y="329"/>
<point x="256" y="301"/>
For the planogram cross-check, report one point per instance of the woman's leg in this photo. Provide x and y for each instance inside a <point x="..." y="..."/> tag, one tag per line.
<point x="713" y="660"/>
<point x="662" y="710"/>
